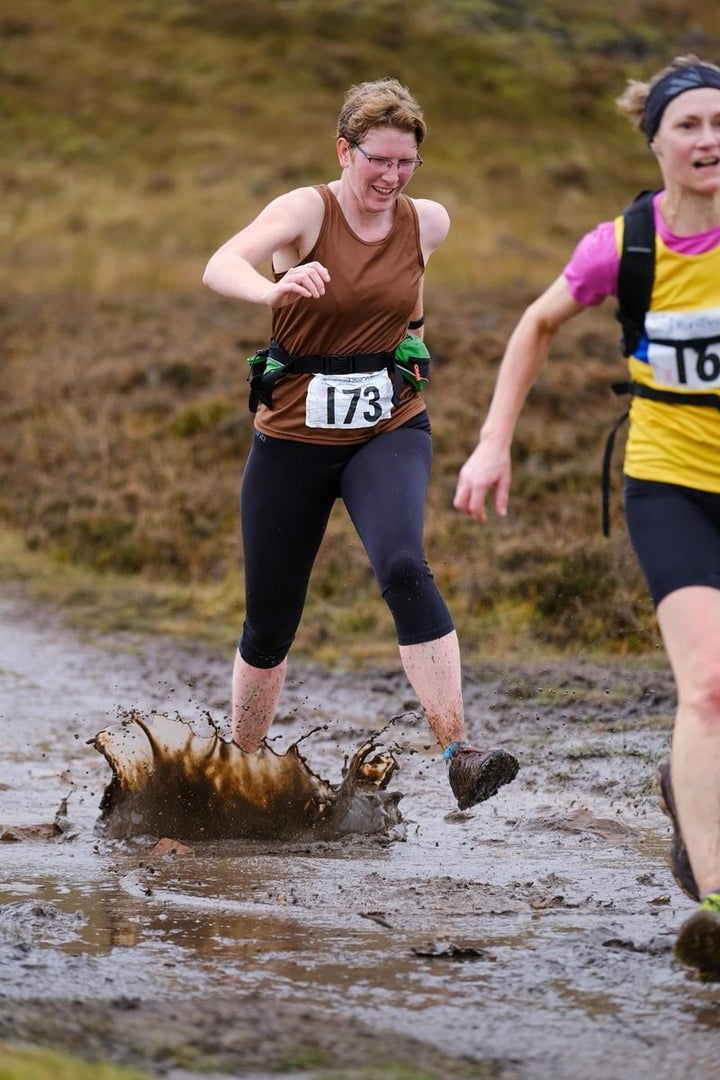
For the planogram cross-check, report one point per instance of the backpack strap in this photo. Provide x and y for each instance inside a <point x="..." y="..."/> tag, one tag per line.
<point x="605" y="474"/>
<point x="636" y="273"/>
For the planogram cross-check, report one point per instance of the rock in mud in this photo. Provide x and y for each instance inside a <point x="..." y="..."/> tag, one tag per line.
<point x="167" y="780"/>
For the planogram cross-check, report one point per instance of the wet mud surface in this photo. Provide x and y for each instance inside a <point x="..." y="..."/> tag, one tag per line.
<point x="530" y="937"/>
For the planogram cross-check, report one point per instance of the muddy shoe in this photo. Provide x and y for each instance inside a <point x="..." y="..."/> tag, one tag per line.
<point x="679" y="861"/>
<point x="698" y="942"/>
<point x="475" y="776"/>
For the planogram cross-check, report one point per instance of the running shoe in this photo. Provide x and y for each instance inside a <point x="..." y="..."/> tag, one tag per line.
<point x="679" y="861"/>
<point x="477" y="775"/>
<point x="698" y="942"/>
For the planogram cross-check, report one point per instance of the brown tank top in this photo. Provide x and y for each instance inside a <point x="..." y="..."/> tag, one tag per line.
<point x="366" y="308"/>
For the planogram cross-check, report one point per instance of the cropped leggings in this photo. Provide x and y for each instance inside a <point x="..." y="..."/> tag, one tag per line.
<point x="288" y="491"/>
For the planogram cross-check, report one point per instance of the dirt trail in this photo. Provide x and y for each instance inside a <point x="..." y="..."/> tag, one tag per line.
<point x="527" y="939"/>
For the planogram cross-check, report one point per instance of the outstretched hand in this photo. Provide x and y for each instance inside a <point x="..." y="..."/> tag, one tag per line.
<point x="486" y="468"/>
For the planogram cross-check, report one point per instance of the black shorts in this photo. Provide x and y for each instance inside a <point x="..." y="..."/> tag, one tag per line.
<point x="675" y="532"/>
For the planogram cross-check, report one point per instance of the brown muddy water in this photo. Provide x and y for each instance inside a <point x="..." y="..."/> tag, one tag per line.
<point x="529" y="938"/>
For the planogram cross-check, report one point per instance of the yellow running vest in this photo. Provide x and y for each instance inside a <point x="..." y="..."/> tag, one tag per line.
<point x="678" y="444"/>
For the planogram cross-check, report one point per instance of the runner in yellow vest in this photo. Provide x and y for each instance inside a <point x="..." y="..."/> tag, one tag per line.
<point x="672" y="462"/>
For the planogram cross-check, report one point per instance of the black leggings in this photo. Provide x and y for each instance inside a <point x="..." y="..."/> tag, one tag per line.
<point x="288" y="491"/>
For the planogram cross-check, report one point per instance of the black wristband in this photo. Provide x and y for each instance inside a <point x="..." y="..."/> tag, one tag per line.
<point x="416" y="323"/>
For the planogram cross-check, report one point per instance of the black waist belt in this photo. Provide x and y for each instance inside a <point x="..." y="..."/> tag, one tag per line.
<point x="668" y="397"/>
<point x="269" y="365"/>
<point x="651" y="393"/>
<point x="344" y="364"/>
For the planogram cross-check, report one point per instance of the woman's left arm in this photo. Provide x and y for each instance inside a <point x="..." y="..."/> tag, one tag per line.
<point x="434" y="225"/>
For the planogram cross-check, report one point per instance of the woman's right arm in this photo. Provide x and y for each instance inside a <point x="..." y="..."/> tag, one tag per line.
<point x="289" y="223"/>
<point x="489" y="465"/>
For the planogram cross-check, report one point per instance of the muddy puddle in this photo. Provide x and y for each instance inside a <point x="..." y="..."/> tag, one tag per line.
<point x="529" y="938"/>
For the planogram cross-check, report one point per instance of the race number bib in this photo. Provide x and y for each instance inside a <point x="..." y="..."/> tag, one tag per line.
<point x="684" y="348"/>
<point x="348" y="401"/>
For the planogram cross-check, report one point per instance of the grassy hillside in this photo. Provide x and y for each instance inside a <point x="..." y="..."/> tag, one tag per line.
<point x="138" y="135"/>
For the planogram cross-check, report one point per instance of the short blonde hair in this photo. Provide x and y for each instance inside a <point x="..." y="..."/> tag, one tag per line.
<point x="634" y="98"/>
<point x="382" y="103"/>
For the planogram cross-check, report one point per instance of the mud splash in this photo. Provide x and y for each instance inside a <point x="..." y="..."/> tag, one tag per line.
<point x="170" y="781"/>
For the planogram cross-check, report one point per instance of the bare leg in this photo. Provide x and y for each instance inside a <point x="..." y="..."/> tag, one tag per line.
<point x="255" y="694"/>
<point x="689" y="619"/>
<point x="433" y="668"/>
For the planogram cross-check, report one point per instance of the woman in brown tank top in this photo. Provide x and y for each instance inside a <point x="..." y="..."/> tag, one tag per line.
<point x="348" y="260"/>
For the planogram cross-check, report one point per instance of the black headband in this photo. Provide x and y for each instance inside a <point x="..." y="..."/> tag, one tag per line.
<point x="676" y="82"/>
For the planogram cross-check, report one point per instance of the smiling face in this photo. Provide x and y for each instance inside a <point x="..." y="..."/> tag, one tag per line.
<point x="379" y="166"/>
<point x="687" y="143"/>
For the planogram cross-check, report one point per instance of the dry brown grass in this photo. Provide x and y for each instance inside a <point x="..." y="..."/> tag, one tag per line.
<point x="140" y="134"/>
<point x="123" y="439"/>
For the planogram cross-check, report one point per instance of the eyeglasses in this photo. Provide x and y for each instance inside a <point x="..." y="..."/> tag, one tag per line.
<point x="384" y="164"/>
